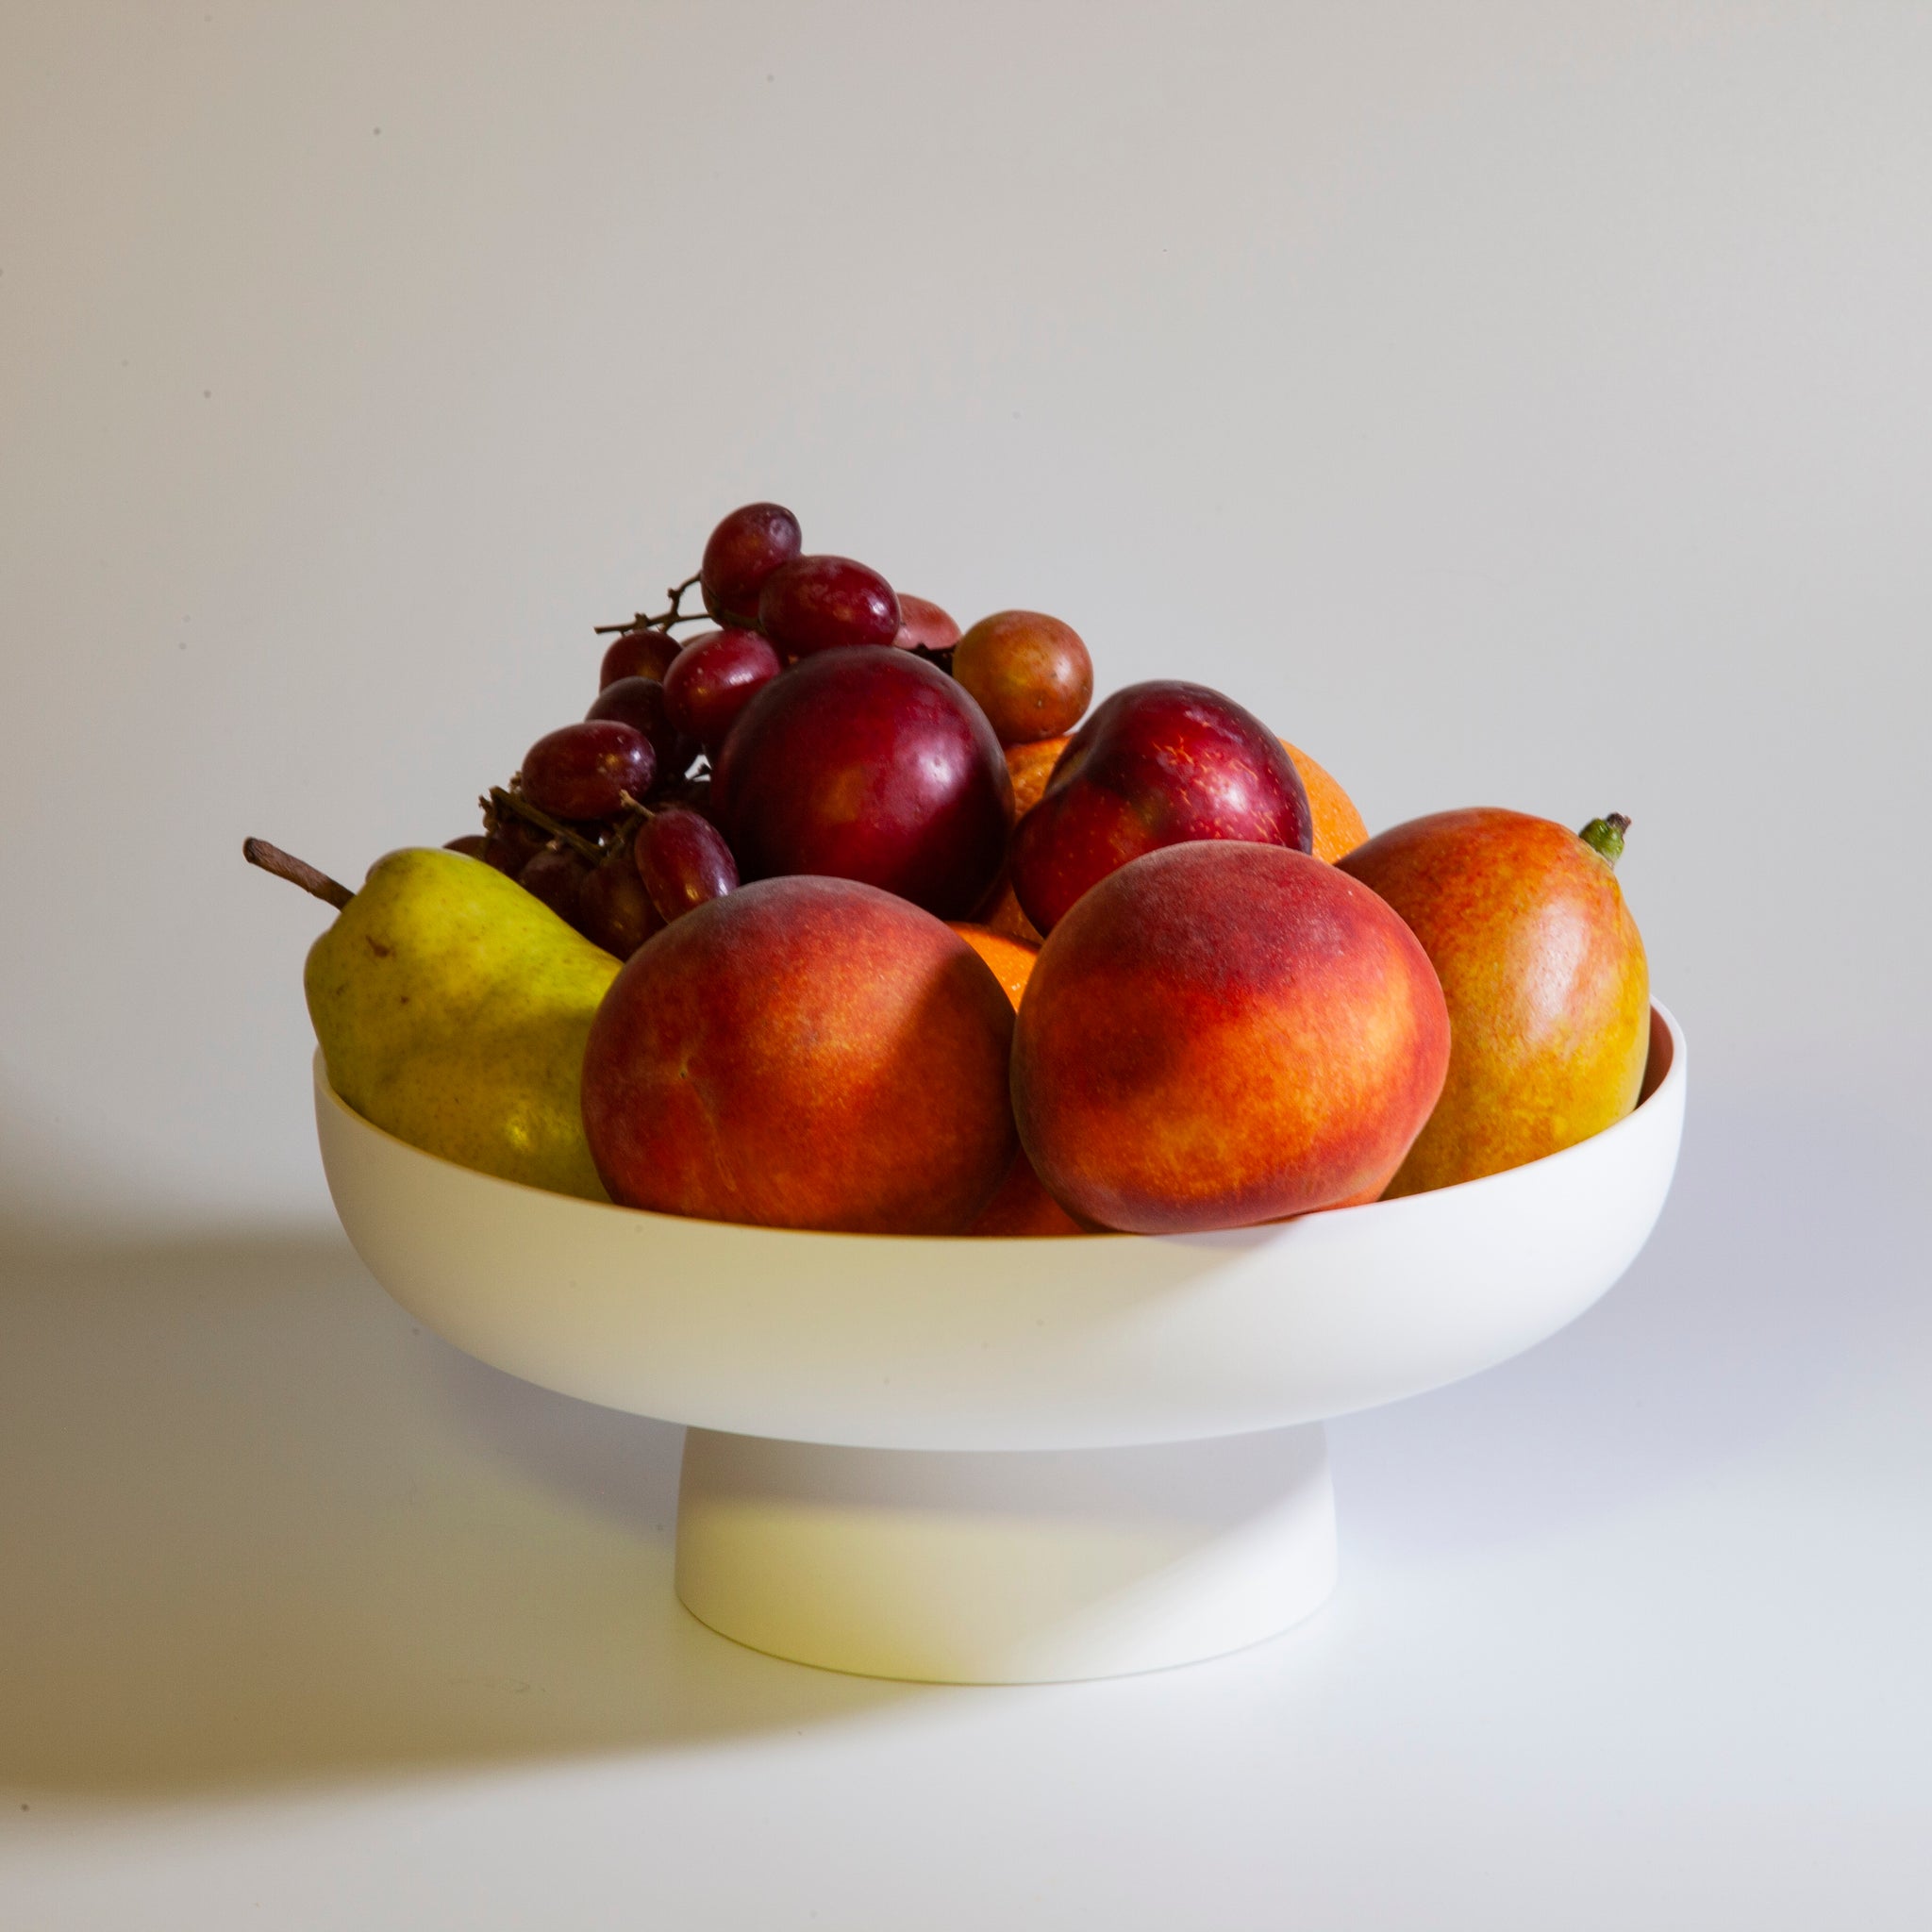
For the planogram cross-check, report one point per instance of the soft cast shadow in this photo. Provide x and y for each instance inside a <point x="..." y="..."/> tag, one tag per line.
<point x="1792" y="1246"/>
<point x="258" y="1528"/>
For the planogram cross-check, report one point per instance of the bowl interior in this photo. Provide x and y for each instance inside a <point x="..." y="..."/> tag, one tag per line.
<point x="1662" y="1055"/>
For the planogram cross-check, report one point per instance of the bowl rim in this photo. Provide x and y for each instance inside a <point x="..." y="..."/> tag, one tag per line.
<point x="1664" y="1028"/>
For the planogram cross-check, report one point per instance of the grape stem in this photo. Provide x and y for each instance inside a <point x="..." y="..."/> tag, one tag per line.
<point x="664" y="619"/>
<point x="521" y="808"/>
<point x="298" y="871"/>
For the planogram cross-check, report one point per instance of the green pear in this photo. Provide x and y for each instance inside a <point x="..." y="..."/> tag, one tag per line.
<point x="452" y="1007"/>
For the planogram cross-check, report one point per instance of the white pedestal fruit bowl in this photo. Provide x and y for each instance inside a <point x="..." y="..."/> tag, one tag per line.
<point x="1004" y="1460"/>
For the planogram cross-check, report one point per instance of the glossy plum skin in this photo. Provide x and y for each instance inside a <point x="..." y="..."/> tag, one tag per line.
<point x="683" y="861"/>
<point x="924" y="625"/>
<point x="1161" y="763"/>
<point x="822" y="603"/>
<point x="715" y="677"/>
<point x="1221" y="1034"/>
<point x="868" y="764"/>
<point x="584" y="771"/>
<point x="746" y="548"/>
<point x="1030" y="672"/>
<point x="638" y="653"/>
<point x="642" y="702"/>
<point x="804" y="1052"/>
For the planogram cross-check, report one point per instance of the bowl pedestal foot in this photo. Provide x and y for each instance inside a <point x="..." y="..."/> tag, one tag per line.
<point x="1004" y="1567"/>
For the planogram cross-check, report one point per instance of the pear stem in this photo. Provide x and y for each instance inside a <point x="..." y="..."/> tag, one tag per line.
<point x="298" y="871"/>
<point x="1605" y="836"/>
<point x="523" y="808"/>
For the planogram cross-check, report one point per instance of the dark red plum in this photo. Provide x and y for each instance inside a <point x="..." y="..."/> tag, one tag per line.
<point x="868" y="764"/>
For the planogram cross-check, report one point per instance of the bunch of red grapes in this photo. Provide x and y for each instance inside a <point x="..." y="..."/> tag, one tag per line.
<point x="817" y="728"/>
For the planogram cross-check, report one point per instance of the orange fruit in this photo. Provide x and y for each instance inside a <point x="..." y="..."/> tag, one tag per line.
<point x="1011" y="958"/>
<point x="1031" y="766"/>
<point x="1009" y="921"/>
<point x="1022" y="1206"/>
<point x="1339" y="826"/>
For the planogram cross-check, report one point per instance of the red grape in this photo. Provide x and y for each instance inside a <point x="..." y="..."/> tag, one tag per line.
<point x="638" y="653"/>
<point x="815" y="603"/>
<point x="613" y="909"/>
<point x="683" y="861"/>
<point x="1030" y="674"/>
<point x="695" y="795"/>
<point x="583" y="771"/>
<point x="471" y="844"/>
<point x="715" y="677"/>
<point x="643" y="704"/>
<point x="740" y="554"/>
<point x="923" y="626"/>
<point x="510" y="844"/>
<point x="557" y="878"/>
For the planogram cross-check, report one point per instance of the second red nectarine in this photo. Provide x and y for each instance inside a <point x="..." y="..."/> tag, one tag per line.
<point x="1222" y="1033"/>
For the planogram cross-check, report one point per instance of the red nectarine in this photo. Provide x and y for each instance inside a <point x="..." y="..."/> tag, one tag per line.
<point x="803" y="1053"/>
<point x="1222" y="1033"/>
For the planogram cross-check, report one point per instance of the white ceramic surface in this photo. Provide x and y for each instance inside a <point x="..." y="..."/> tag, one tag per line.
<point x="878" y="1342"/>
<point x="999" y="1461"/>
<point x="983" y="1567"/>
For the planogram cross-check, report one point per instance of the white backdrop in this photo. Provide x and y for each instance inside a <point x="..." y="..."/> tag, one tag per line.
<point x="1517" y="404"/>
<point x="1524" y="402"/>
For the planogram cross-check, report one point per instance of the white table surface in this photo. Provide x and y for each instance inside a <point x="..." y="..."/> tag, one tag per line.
<point x="308" y="1621"/>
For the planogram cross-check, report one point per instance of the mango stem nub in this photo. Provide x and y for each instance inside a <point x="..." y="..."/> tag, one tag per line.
<point x="1605" y="836"/>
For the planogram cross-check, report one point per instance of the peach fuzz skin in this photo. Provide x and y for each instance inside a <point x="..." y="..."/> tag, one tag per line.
<point x="1546" y="981"/>
<point x="1220" y="1034"/>
<point x="808" y="1052"/>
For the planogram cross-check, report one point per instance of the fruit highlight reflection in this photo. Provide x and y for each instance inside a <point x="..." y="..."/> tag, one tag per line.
<point x="1243" y="1008"/>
